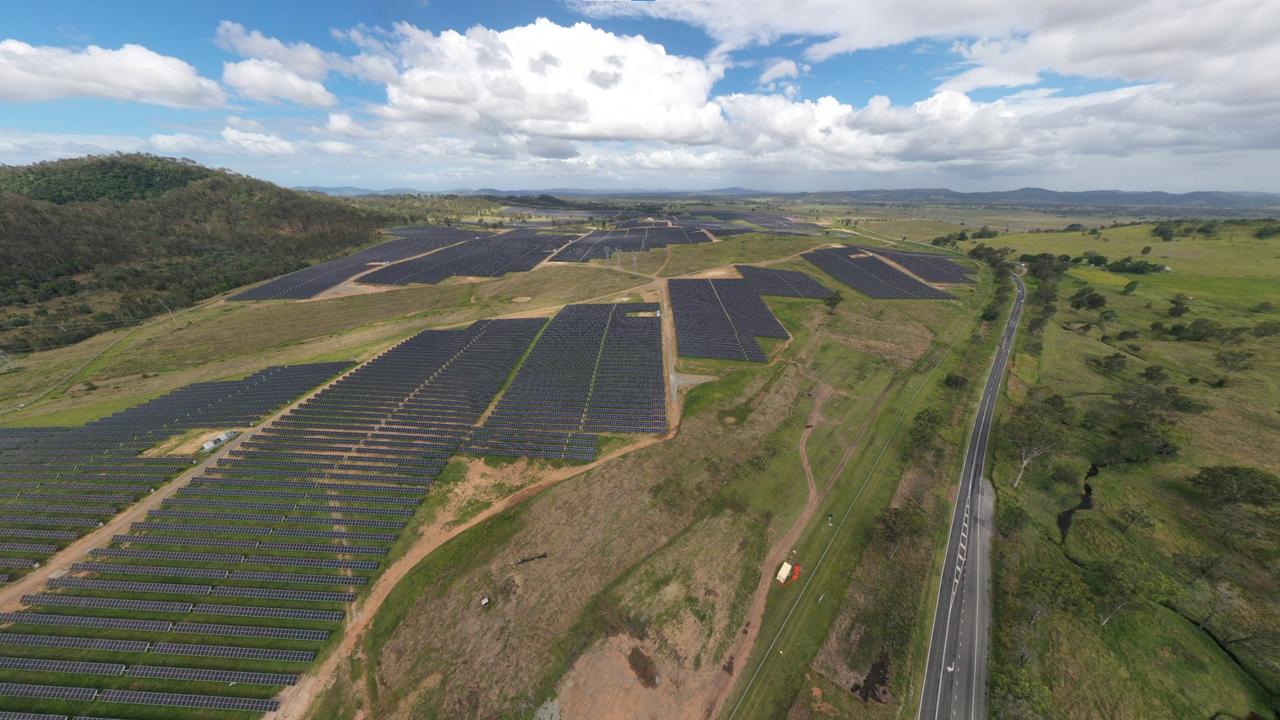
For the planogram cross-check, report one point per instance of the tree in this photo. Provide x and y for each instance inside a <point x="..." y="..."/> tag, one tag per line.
<point x="1234" y="360"/>
<point x="1132" y="515"/>
<point x="1047" y="586"/>
<point x="1123" y="583"/>
<point x="901" y="523"/>
<point x="1200" y="566"/>
<point x="1032" y="435"/>
<point x="1180" y="305"/>
<point x="833" y="301"/>
<point x="1155" y="374"/>
<point x="923" y="433"/>
<point x="1236" y="485"/>
<point x="1010" y="515"/>
<point x="1266" y="329"/>
<point x="1062" y="474"/>
<point x="1109" y="364"/>
<point x="1130" y="287"/>
<point x="1087" y="297"/>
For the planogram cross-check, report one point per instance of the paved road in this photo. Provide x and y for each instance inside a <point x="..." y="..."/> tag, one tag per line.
<point x="955" y="680"/>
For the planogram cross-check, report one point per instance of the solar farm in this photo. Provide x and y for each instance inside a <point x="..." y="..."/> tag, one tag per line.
<point x="519" y="250"/>
<point x="721" y="318"/>
<point x="232" y="586"/>
<point x="235" y="583"/>
<point x="596" y="368"/>
<point x="872" y="276"/>
<point x="782" y="283"/>
<point x="56" y="484"/>
<point x="929" y="267"/>
<point x="311" y="281"/>
<point x="630" y="237"/>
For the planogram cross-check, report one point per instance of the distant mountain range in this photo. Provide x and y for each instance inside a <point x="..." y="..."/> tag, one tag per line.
<point x="1022" y="197"/>
<point x="1213" y="200"/>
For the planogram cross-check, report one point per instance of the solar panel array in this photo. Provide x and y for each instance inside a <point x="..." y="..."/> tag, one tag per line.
<point x="929" y="267"/>
<point x="604" y="243"/>
<point x="56" y="484"/>
<point x="721" y="319"/>
<point x="772" y="222"/>
<point x="782" y="283"/>
<point x="490" y="256"/>
<point x="273" y="540"/>
<point x="245" y="571"/>
<point x="311" y="281"/>
<point x="871" y="275"/>
<point x="595" y="368"/>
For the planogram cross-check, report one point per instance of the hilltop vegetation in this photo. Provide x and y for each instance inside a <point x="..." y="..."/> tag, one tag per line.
<point x="91" y="244"/>
<point x="117" y="177"/>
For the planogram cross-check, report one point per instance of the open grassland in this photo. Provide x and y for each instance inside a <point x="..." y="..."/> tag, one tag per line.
<point x="687" y="259"/>
<point x="1196" y="634"/>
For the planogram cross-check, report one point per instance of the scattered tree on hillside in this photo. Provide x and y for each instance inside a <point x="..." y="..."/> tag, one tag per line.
<point x="1123" y="583"/>
<point x="1200" y="566"/>
<point x="833" y="301"/>
<point x="1155" y="374"/>
<point x="1033" y="435"/>
<point x="1088" y="298"/>
<point x="1266" y="329"/>
<point x="923" y="433"/>
<point x="1132" y="515"/>
<point x="1180" y="305"/>
<point x="1046" y="587"/>
<point x="901" y="523"/>
<point x="1237" y="485"/>
<point x="1108" y="364"/>
<point x="1130" y="287"/>
<point x="1010" y="515"/>
<point x="1063" y="474"/>
<point x="1233" y="360"/>
<point x="1135" y="267"/>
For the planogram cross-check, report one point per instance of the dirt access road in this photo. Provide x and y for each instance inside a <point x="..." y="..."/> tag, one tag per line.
<point x="296" y="701"/>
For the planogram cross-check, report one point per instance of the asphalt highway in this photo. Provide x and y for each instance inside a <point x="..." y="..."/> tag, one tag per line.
<point x="955" y="681"/>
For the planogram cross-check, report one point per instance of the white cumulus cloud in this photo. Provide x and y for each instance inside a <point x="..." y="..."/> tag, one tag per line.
<point x="31" y="73"/>
<point x="570" y="82"/>
<point x="268" y="81"/>
<point x="257" y="143"/>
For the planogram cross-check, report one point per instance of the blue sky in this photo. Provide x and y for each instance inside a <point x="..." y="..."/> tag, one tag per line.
<point x="979" y="94"/>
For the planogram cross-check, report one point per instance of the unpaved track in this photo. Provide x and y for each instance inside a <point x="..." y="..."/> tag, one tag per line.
<point x="295" y="701"/>
<point x="755" y="613"/>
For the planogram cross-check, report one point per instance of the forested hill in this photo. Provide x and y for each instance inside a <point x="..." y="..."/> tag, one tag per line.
<point x="116" y="177"/>
<point x="94" y="243"/>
